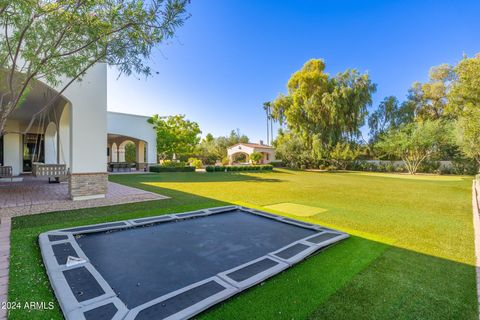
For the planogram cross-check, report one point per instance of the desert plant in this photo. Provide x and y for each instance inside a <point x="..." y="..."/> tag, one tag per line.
<point x="256" y="157"/>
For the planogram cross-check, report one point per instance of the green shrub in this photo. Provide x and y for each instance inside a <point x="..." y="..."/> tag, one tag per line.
<point x="465" y="166"/>
<point x="162" y="168"/>
<point x="390" y="167"/>
<point x="225" y="161"/>
<point x="266" y="167"/>
<point x="194" y="162"/>
<point x="277" y="164"/>
<point x="429" y="167"/>
<point x="173" y="164"/>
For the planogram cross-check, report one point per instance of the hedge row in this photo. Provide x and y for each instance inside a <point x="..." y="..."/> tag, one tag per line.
<point x="171" y="169"/>
<point x="238" y="168"/>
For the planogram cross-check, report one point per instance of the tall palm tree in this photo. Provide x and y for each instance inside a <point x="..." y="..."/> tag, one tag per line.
<point x="266" y="107"/>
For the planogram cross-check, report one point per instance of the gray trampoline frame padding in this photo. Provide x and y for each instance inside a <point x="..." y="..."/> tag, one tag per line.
<point x="73" y="309"/>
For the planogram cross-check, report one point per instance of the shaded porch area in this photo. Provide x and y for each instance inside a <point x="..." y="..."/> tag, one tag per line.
<point x="29" y="195"/>
<point x="126" y="154"/>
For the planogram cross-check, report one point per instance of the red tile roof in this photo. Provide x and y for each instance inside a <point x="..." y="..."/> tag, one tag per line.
<point x="253" y="145"/>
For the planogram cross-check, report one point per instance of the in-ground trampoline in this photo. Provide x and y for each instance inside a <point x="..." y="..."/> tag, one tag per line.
<point x="172" y="266"/>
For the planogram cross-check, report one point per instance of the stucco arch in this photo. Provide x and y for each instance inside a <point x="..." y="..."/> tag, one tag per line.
<point x="64" y="134"/>
<point x="121" y="149"/>
<point x="233" y="156"/>
<point x="114" y="152"/>
<point x="51" y="143"/>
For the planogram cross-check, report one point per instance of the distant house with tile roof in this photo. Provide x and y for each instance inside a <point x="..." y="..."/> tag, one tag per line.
<point x="268" y="152"/>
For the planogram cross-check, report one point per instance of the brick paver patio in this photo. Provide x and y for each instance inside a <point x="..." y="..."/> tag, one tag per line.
<point x="33" y="195"/>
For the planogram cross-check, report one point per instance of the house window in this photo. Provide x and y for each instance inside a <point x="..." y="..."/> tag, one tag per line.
<point x="267" y="156"/>
<point x="33" y="150"/>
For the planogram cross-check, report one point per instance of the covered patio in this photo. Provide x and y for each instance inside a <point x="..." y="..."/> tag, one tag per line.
<point x="131" y="142"/>
<point x="59" y="135"/>
<point x="126" y="154"/>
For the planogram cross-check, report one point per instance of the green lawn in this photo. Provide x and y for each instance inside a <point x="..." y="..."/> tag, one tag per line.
<point x="411" y="255"/>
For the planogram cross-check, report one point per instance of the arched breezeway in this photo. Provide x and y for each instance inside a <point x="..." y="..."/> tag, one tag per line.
<point x="239" y="158"/>
<point x="119" y="160"/>
<point x="131" y="139"/>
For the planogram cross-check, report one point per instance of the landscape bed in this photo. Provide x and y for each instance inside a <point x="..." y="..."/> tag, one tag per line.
<point x="172" y="266"/>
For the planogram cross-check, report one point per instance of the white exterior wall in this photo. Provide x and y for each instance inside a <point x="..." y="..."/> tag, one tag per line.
<point x="88" y="119"/>
<point x="241" y="148"/>
<point x="134" y="126"/>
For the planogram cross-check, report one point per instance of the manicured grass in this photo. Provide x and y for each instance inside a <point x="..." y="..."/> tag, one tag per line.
<point x="411" y="255"/>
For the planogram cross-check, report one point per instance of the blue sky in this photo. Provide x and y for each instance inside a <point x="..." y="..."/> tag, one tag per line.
<point x="232" y="55"/>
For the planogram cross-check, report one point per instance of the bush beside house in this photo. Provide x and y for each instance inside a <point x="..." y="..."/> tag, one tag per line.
<point x="172" y="166"/>
<point x="266" y="167"/>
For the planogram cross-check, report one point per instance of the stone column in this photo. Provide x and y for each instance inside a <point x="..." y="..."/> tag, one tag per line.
<point x="85" y="186"/>
<point x="88" y="138"/>
<point x="121" y="153"/>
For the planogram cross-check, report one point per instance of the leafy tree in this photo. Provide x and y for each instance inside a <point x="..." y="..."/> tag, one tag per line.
<point x="175" y="135"/>
<point x="208" y="152"/>
<point x="209" y="137"/>
<point x="343" y="153"/>
<point x="416" y="142"/>
<point x="464" y="103"/>
<point x="390" y="114"/>
<point x="212" y="149"/>
<point x="328" y="109"/>
<point x="232" y="139"/>
<point x="429" y="100"/>
<point x="54" y="40"/>
<point x="130" y="152"/>
<point x="291" y="149"/>
<point x="468" y="134"/>
<point x="255" y="157"/>
<point x="194" y="162"/>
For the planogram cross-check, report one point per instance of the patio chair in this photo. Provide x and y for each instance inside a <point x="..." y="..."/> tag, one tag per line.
<point x="55" y="171"/>
<point x="6" y="172"/>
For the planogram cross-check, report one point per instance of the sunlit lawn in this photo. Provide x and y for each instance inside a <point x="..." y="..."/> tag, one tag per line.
<point x="411" y="255"/>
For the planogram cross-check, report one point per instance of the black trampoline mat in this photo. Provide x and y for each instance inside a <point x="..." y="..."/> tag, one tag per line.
<point x="143" y="263"/>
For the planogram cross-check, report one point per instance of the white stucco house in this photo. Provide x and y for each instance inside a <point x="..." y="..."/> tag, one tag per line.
<point x="77" y="133"/>
<point x="268" y="152"/>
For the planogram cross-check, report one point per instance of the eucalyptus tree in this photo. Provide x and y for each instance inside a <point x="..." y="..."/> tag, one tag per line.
<point x="322" y="108"/>
<point x="429" y="100"/>
<point x="62" y="39"/>
<point x="464" y="103"/>
<point x="390" y="114"/>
